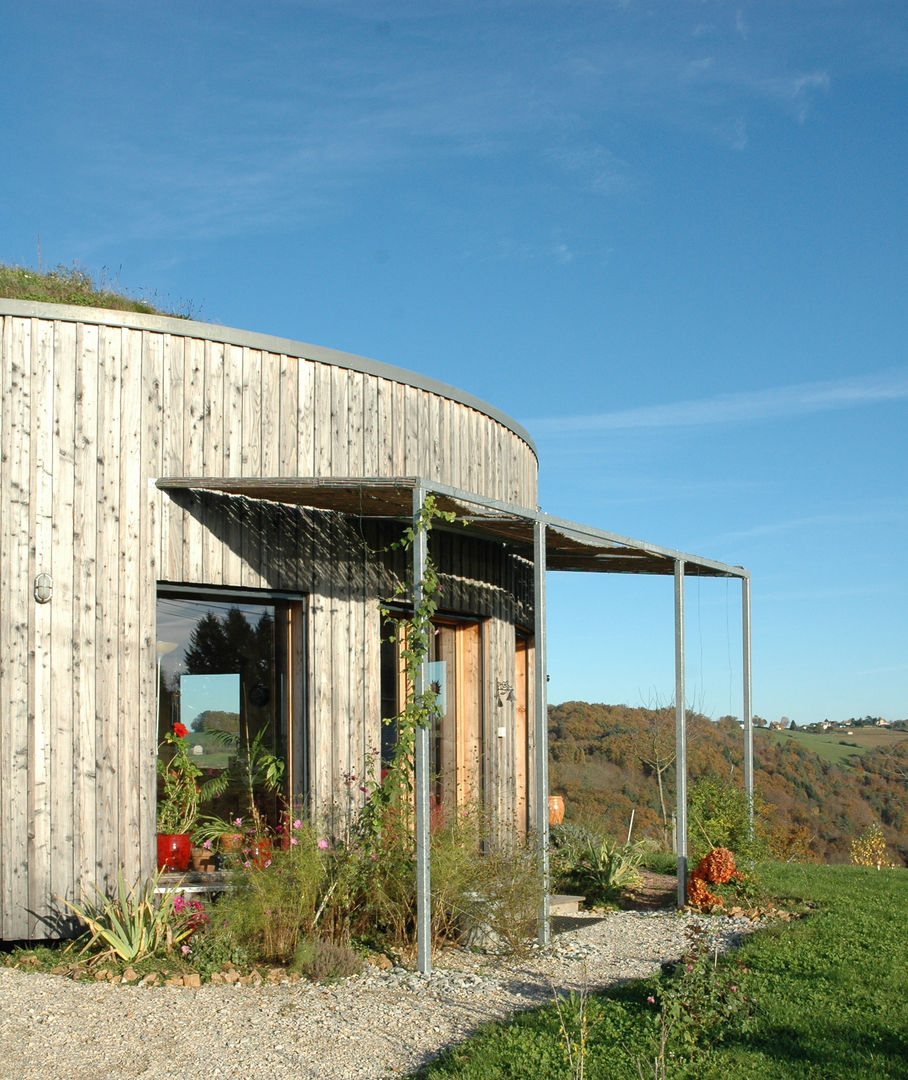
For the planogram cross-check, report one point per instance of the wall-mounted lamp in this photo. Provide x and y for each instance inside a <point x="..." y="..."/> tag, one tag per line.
<point x="44" y="587"/>
<point x="505" y="693"/>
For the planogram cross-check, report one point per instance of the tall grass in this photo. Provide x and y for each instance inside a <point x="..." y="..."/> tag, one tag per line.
<point x="828" y="998"/>
<point x="73" y="285"/>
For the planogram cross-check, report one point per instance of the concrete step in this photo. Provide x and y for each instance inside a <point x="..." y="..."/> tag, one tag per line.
<point x="565" y="905"/>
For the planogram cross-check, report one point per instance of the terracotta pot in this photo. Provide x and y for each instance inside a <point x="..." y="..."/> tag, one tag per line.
<point x="230" y="842"/>
<point x="202" y="860"/>
<point x="556" y="809"/>
<point x="174" y="852"/>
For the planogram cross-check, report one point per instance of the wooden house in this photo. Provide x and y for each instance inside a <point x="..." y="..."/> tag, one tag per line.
<point x="195" y="524"/>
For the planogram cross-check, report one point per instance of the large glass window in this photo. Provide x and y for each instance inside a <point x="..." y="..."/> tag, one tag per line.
<point x="229" y="670"/>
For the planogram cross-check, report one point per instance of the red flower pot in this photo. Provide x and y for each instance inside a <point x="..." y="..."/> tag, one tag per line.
<point x="174" y="852"/>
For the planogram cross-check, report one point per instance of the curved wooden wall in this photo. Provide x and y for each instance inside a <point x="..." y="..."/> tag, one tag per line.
<point x="96" y="405"/>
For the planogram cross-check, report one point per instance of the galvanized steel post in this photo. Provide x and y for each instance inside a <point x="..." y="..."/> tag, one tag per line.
<point x="541" y="728"/>
<point x="680" y="734"/>
<point x="421" y="762"/>
<point x="748" y="705"/>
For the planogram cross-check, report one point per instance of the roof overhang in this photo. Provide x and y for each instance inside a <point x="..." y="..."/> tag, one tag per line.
<point x="568" y="545"/>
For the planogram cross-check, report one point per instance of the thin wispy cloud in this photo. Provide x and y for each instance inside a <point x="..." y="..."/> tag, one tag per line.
<point x="755" y="406"/>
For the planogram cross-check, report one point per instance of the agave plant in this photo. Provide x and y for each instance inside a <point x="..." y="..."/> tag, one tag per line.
<point x="133" y="923"/>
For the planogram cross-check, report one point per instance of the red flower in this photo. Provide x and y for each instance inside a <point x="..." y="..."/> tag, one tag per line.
<point x="180" y="730"/>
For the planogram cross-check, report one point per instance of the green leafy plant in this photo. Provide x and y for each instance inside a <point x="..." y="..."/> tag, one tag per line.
<point x="698" y="1002"/>
<point x="133" y="923"/>
<point x="253" y="768"/>
<point x="600" y="868"/>
<point x="276" y="904"/>
<point x="179" y="791"/>
<point x="719" y="817"/>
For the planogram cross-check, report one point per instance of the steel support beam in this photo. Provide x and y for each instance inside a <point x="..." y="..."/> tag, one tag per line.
<point x="541" y="728"/>
<point x="421" y="763"/>
<point x="748" y="703"/>
<point x="680" y="734"/>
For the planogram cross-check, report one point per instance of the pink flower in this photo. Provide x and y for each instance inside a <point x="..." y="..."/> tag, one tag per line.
<point x="323" y="845"/>
<point x="184" y="949"/>
<point x="247" y="864"/>
<point x="651" y="1000"/>
<point x="267" y="863"/>
<point x="734" y="989"/>
<point x="238" y="821"/>
<point x="297" y="824"/>
<point x="207" y="845"/>
<point x="293" y="840"/>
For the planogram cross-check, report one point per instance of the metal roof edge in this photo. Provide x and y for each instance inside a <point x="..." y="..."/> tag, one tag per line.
<point x="169" y="324"/>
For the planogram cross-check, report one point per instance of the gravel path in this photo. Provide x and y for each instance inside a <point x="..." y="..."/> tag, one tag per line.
<point x="372" y="1026"/>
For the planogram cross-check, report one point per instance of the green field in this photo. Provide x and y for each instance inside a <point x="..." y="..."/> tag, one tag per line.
<point x="837" y="747"/>
<point x="826" y="998"/>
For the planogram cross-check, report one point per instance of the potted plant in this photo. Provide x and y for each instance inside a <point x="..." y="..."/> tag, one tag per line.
<point x="253" y="767"/>
<point x="178" y="800"/>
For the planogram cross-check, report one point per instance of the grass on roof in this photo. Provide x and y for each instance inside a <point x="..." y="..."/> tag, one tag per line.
<point x="73" y="285"/>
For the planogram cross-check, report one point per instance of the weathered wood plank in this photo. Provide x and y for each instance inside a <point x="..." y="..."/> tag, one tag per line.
<point x="305" y="418"/>
<point x="271" y="414"/>
<point x="174" y="387"/>
<point x="340" y="422"/>
<point x="129" y="630"/>
<point x="109" y="700"/>
<point x="233" y="461"/>
<point x="194" y="408"/>
<point x="14" y="623"/>
<point x="213" y="451"/>
<point x="62" y="871"/>
<point x="84" y="636"/>
<point x="289" y="408"/>
<point x="251" y="442"/>
<point x="40" y="690"/>
<point x="322" y="420"/>
<point x="355" y="424"/>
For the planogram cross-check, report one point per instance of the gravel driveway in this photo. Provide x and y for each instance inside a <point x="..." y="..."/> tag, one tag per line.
<point x="371" y="1026"/>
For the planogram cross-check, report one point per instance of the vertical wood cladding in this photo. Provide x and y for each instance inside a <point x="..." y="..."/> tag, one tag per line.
<point x="94" y="410"/>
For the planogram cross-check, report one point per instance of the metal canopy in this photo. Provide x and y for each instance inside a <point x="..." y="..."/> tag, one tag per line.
<point x="550" y="544"/>
<point x="568" y="544"/>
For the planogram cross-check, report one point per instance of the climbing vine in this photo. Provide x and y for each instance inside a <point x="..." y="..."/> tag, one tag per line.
<point x="393" y="790"/>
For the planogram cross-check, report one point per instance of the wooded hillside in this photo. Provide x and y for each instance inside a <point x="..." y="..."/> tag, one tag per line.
<point x="607" y="760"/>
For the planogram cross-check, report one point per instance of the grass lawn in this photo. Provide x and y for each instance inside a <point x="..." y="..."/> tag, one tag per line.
<point x="826" y="997"/>
<point x="835" y="746"/>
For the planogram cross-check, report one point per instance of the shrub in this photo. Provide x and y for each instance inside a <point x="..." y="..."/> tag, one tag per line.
<point x="869" y="849"/>
<point x="275" y="905"/>
<point x="718" y="816"/>
<point x="325" y="961"/>
<point x="600" y="868"/>
<point x="134" y="923"/>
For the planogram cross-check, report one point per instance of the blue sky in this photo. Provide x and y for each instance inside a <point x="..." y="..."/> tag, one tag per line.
<point x="667" y="237"/>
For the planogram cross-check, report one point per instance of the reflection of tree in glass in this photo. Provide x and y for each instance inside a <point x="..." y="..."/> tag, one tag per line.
<point x="214" y="720"/>
<point x="228" y="643"/>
